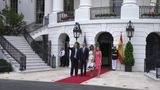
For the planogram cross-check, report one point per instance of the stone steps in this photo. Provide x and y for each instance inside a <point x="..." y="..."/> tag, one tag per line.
<point x="152" y="75"/>
<point x="33" y="61"/>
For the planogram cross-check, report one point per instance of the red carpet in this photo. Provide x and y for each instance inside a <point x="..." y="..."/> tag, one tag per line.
<point x="80" y="79"/>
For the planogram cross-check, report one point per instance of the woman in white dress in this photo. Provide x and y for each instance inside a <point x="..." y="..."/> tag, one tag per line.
<point x="91" y="62"/>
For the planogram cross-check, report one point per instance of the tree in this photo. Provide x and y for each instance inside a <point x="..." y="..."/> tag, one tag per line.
<point x="128" y="55"/>
<point x="13" y="23"/>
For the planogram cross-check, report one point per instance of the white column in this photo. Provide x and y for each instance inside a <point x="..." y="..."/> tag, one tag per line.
<point x="130" y="9"/>
<point x="57" y="7"/>
<point x="48" y="7"/>
<point x="83" y="12"/>
<point x="129" y="1"/>
<point x="85" y="3"/>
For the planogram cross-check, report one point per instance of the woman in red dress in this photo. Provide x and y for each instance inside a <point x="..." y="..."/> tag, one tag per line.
<point x="98" y="62"/>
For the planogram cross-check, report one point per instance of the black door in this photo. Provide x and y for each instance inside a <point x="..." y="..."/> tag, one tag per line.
<point x="67" y="51"/>
<point x="106" y="53"/>
<point x="152" y="59"/>
<point x="105" y="41"/>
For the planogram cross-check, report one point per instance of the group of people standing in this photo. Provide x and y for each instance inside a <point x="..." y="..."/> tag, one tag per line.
<point x="85" y="56"/>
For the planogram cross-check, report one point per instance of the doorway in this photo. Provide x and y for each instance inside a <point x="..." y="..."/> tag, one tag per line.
<point x="152" y="59"/>
<point x="67" y="50"/>
<point x="105" y="41"/>
<point x="64" y="43"/>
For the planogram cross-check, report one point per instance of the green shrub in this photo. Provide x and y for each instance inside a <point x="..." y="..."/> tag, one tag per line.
<point x="128" y="55"/>
<point x="14" y="22"/>
<point x="105" y="15"/>
<point x="5" y="66"/>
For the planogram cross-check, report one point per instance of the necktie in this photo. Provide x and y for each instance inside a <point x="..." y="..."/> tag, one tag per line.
<point x="83" y="50"/>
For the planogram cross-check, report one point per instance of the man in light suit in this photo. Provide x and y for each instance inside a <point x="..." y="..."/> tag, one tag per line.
<point x="74" y="59"/>
<point x="62" y="57"/>
<point x="84" y="53"/>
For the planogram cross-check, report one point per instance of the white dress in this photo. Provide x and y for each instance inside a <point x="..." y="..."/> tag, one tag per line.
<point x="90" y="58"/>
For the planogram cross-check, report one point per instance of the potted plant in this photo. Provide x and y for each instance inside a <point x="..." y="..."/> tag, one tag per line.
<point x="150" y="14"/>
<point x="128" y="57"/>
<point x="105" y="15"/>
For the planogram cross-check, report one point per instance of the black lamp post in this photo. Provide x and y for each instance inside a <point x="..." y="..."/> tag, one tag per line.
<point x="130" y="30"/>
<point x="77" y="30"/>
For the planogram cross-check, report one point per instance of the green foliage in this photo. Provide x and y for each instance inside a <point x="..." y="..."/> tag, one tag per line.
<point x="105" y="15"/>
<point x="128" y="55"/>
<point x="14" y="22"/>
<point x="5" y="66"/>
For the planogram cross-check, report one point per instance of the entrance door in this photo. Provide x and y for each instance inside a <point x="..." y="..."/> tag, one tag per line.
<point x="105" y="41"/>
<point x="67" y="50"/>
<point x="152" y="59"/>
<point x="106" y="53"/>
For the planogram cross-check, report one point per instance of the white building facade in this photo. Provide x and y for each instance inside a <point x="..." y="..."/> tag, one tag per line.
<point x="101" y="21"/>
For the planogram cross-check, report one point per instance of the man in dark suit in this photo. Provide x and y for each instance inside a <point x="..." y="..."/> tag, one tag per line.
<point x="84" y="53"/>
<point x="74" y="59"/>
<point x="114" y="58"/>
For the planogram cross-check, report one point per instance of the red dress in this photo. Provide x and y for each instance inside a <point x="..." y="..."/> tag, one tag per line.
<point x="98" y="59"/>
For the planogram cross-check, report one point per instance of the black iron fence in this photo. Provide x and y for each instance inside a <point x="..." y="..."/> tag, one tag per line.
<point x="149" y="12"/>
<point x="105" y="12"/>
<point x="158" y="72"/>
<point x="65" y="16"/>
<point x="33" y="26"/>
<point x="14" y="52"/>
<point x="46" y="57"/>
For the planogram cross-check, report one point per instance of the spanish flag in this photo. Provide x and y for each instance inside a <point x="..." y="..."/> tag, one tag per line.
<point x="120" y="49"/>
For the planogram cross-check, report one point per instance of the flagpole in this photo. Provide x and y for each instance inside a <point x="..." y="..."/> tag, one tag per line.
<point x="120" y="62"/>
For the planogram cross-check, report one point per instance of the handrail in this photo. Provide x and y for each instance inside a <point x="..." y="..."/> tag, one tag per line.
<point x="33" y="27"/>
<point x="65" y="16"/>
<point x="14" y="52"/>
<point x="46" y="57"/>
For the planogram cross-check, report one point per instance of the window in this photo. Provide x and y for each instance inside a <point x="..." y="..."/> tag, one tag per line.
<point x="39" y="11"/>
<point x="14" y="5"/>
<point x="68" y="5"/>
<point x="116" y="4"/>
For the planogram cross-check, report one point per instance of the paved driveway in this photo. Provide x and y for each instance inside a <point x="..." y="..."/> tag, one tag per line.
<point x="34" y="85"/>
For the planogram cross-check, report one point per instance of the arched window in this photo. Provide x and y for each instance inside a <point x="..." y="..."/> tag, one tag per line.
<point x="14" y="5"/>
<point x="39" y="11"/>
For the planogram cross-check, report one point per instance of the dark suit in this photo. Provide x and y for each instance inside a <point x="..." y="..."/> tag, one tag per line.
<point x="83" y="59"/>
<point x="74" y="61"/>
